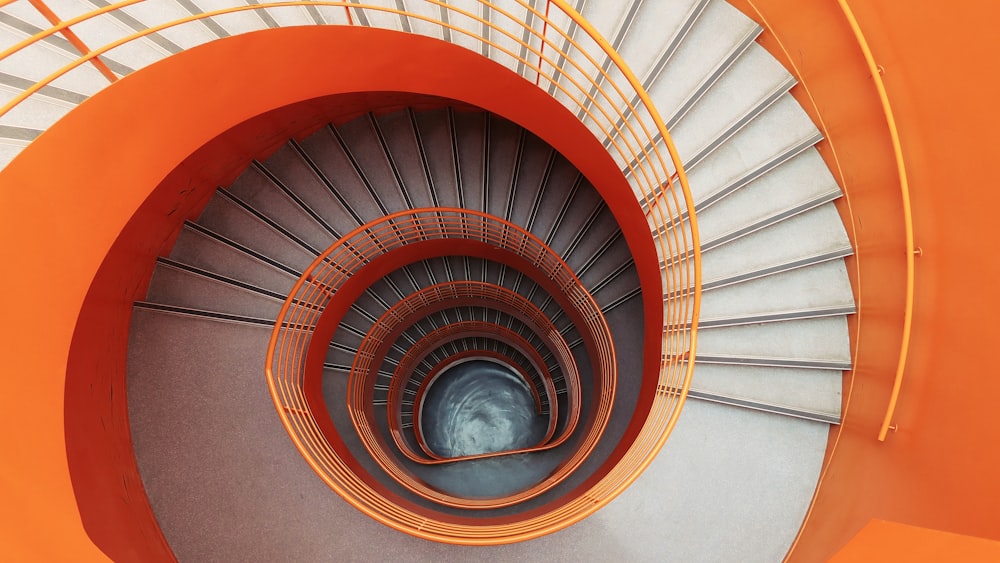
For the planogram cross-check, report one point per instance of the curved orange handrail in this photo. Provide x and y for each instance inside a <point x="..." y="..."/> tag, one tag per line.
<point x="352" y="252"/>
<point x="452" y="333"/>
<point x="631" y="145"/>
<point x="904" y="187"/>
<point x="462" y="293"/>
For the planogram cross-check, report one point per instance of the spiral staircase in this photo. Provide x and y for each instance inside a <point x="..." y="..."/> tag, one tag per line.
<point x="737" y="474"/>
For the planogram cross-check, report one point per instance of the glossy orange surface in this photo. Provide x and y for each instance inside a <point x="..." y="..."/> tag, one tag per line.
<point x="68" y="470"/>
<point x="880" y="540"/>
<point x="938" y="471"/>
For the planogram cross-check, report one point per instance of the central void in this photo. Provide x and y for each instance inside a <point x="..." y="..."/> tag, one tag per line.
<point x="480" y="407"/>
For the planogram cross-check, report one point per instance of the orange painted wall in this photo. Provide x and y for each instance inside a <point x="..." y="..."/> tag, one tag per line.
<point x="110" y="496"/>
<point x="880" y="540"/>
<point x="71" y="197"/>
<point x="939" y="470"/>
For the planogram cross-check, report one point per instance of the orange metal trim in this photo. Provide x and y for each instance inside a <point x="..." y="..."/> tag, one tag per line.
<point x="904" y="187"/>
<point x="652" y="176"/>
<point x="462" y="293"/>
<point x="73" y="39"/>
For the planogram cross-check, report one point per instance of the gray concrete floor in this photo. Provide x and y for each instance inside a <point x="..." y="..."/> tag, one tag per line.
<point x="226" y="483"/>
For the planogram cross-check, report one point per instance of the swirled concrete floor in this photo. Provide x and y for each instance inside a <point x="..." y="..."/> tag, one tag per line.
<point x="480" y="407"/>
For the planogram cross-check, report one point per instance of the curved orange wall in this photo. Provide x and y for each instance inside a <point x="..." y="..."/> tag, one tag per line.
<point x="939" y="470"/>
<point x="67" y="200"/>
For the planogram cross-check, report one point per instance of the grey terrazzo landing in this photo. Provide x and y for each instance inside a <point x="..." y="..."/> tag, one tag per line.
<point x="226" y="483"/>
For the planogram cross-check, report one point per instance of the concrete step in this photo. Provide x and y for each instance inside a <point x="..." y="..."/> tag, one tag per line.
<point x="716" y="40"/>
<point x="773" y="132"/>
<point x="262" y="191"/>
<point x="201" y="248"/>
<point x="405" y="152"/>
<point x="805" y="393"/>
<point x="816" y="342"/>
<point x="234" y="220"/>
<point x="822" y="288"/>
<point x="796" y="185"/>
<point x="174" y="283"/>
<point x="748" y="87"/>
<point x="813" y="233"/>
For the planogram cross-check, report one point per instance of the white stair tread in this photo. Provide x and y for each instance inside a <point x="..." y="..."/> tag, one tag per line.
<point x="424" y="8"/>
<point x="654" y="19"/>
<point x="94" y="32"/>
<point x="24" y="11"/>
<point x="156" y="12"/>
<point x="754" y="77"/>
<point x="36" y="112"/>
<point x="288" y="16"/>
<point x="239" y="22"/>
<point x="514" y="27"/>
<point x="461" y="21"/>
<point x="801" y="179"/>
<point x="39" y="60"/>
<point x="820" y="339"/>
<point x="812" y="390"/>
<point x="812" y="233"/>
<point x="575" y="83"/>
<point x="9" y="149"/>
<point x="106" y="29"/>
<point x="734" y="465"/>
<point x="820" y="286"/>
<point x="782" y="125"/>
<point x="381" y="19"/>
<point x="718" y="31"/>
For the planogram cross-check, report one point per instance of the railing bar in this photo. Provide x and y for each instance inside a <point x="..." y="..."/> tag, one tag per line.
<point x="904" y="187"/>
<point x="623" y="26"/>
<point x="73" y="39"/>
<point x="135" y="24"/>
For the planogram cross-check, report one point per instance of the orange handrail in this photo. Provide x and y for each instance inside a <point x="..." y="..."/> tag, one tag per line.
<point x="351" y="253"/>
<point x="462" y="293"/>
<point x="904" y="187"/>
<point x="72" y="37"/>
<point x="632" y="146"/>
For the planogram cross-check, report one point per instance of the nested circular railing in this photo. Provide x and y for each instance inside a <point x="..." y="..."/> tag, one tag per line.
<point x="318" y="286"/>
<point x="584" y="73"/>
<point x="371" y="352"/>
<point x="460" y="331"/>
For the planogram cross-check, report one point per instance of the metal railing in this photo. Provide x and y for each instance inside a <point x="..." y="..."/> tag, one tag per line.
<point x="320" y="283"/>
<point x="452" y="294"/>
<point x="557" y="50"/>
<point x="904" y="188"/>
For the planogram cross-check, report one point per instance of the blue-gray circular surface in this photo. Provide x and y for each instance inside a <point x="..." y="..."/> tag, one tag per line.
<point x="479" y="407"/>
